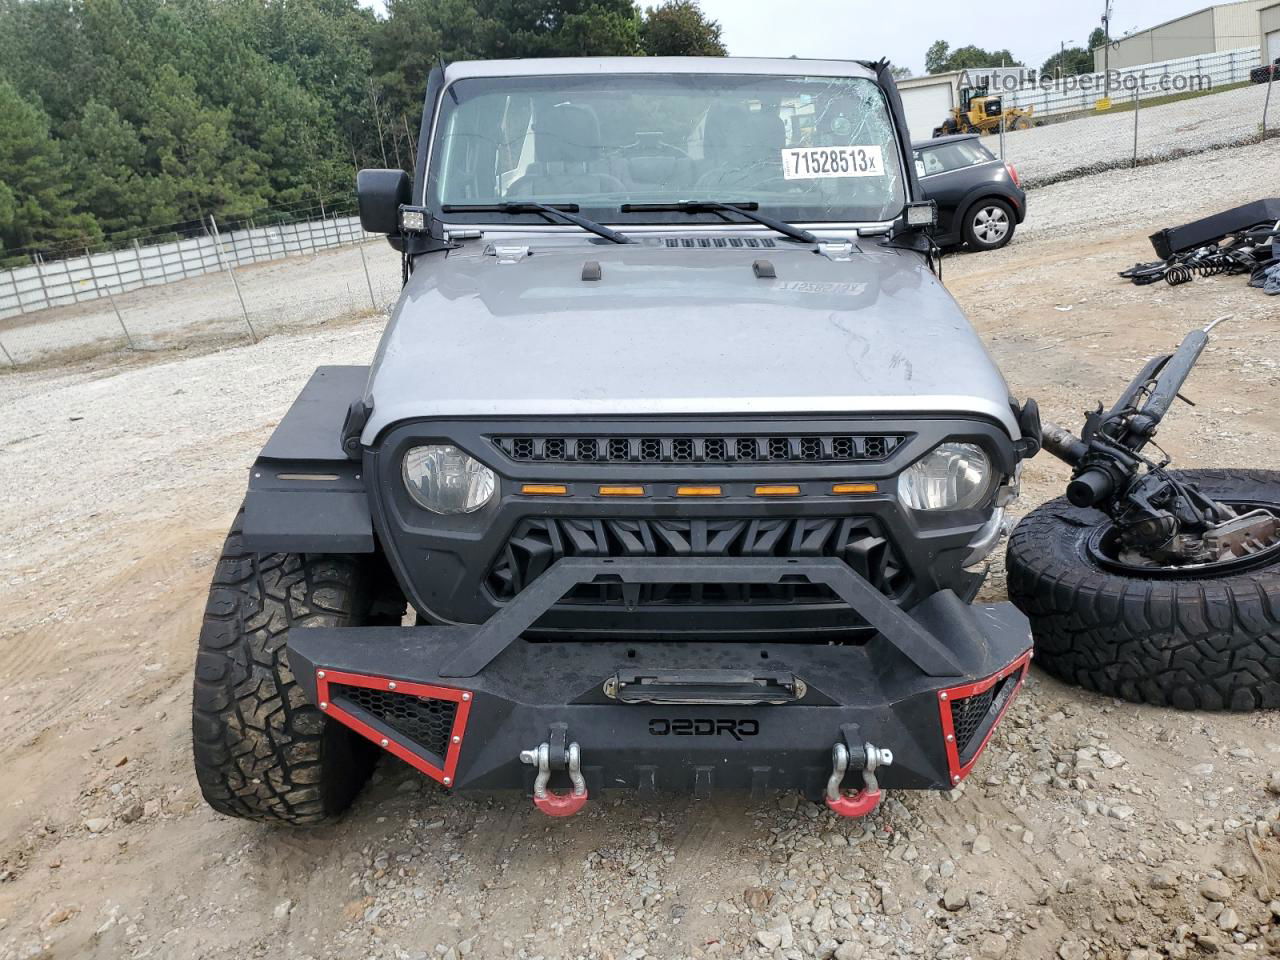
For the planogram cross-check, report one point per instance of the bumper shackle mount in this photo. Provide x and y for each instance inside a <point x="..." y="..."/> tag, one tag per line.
<point x="860" y="803"/>
<point x="568" y="757"/>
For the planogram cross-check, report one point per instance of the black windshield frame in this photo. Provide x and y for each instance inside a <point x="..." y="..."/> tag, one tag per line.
<point x="608" y="211"/>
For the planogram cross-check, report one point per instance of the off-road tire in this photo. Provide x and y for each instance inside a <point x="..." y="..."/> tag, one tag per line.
<point x="262" y="752"/>
<point x="1196" y="644"/>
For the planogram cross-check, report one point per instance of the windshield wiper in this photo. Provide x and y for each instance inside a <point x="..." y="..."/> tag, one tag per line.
<point x="566" y="212"/>
<point x="749" y="210"/>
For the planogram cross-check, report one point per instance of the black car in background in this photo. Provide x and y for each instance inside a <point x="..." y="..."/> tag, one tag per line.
<point x="1265" y="73"/>
<point x="980" y="199"/>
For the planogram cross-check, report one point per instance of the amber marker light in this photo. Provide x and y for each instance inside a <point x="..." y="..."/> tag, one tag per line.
<point x="778" y="490"/>
<point x="855" y="488"/>
<point x="622" y="491"/>
<point x="544" y="489"/>
<point x="697" y="491"/>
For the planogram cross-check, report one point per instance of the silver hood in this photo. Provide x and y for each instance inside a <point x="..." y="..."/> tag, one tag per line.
<point x="677" y="331"/>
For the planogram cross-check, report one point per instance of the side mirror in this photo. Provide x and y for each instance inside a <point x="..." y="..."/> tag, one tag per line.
<point x="379" y="194"/>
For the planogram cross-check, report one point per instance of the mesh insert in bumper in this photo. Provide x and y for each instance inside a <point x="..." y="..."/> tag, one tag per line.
<point x="970" y="714"/>
<point x="422" y="724"/>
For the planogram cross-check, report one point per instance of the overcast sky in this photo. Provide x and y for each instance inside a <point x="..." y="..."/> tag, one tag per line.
<point x="902" y="30"/>
<point x="863" y="30"/>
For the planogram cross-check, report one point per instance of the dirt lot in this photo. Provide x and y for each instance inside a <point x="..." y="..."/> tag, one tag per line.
<point x="1090" y="828"/>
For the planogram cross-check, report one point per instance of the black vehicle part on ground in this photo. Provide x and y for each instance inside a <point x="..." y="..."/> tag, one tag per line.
<point x="932" y="686"/>
<point x="1156" y="586"/>
<point x="261" y="751"/>
<point x="1191" y="641"/>
<point x="1161" y="524"/>
<point x="1251" y="251"/>
<point x="1209" y="230"/>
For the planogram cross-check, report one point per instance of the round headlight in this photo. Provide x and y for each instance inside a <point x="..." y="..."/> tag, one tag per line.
<point x="445" y="480"/>
<point x="954" y="476"/>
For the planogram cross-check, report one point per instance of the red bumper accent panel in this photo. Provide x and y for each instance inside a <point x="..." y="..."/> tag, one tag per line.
<point x="387" y="738"/>
<point x="960" y="769"/>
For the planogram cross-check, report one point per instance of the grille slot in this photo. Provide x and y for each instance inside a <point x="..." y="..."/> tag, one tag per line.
<point x="720" y="242"/>
<point x="971" y="716"/>
<point x="674" y="449"/>
<point x="424" y="721"/>
<point x="967" y="716"/>
<point x="540" y="541"/>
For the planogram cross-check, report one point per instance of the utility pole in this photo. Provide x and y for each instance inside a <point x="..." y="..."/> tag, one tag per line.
<point x="1062" y="57"/>
<point x="1106" y="47"/>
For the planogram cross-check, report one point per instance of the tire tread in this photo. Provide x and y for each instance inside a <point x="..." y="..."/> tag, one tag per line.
<point x="261" y="750"/>
<point x="1210" y="644"/>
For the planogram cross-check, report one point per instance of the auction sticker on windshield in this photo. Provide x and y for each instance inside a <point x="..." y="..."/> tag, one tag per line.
<point x="811" y="163"/>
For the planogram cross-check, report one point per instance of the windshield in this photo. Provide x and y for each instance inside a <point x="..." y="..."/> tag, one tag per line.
<point x="807" y="149"/>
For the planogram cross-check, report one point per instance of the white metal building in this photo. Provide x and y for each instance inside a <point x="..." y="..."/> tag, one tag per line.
<point x="1227" y="26"/>
<point x="927" y="101"/>
<point x="1269" y="33"/>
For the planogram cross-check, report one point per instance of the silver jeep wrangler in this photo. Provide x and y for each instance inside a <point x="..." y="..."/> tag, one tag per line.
<point x="677" y="467"/>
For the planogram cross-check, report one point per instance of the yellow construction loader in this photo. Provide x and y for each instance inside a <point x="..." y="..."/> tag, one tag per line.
<point x="981" y="112"/>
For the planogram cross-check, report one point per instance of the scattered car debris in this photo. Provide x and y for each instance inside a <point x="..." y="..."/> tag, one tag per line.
<point x="1115" y="577"/>
<point x="1238" y="241"/>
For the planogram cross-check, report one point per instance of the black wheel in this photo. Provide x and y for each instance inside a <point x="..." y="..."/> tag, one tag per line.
<point x="989" y="224"/>
<point x="1207" y="639"/>
<point x="262" y="752"/>
<point x="1020" y="123"/>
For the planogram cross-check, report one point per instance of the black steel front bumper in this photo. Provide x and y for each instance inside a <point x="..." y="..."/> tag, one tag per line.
<point x="460" y="703"/>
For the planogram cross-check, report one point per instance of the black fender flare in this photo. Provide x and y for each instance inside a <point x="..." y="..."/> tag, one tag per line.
<point x="306" y="495"/>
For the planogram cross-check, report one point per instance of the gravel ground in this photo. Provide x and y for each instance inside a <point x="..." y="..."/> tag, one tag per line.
<point x="1090" y="829"/>
<point x="1061" y="151"/>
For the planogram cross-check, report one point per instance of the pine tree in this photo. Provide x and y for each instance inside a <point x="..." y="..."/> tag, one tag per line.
<point x="37" y="205"/>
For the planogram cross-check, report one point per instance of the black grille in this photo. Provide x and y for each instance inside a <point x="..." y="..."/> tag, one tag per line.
<point x="422" y="720"/>
<point x="720" y="242"/>
<point x="828" y="449"/>
<point x="969" y="715"/>
<point x="539" y="542"/>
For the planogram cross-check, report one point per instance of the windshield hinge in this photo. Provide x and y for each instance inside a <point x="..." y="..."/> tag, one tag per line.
<point x="837" y="251"/>
<point x="471" y="234"/>
<point x="508" y="252"/>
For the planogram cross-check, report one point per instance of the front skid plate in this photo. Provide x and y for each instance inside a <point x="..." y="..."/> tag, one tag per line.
<point x="685" y="748"/>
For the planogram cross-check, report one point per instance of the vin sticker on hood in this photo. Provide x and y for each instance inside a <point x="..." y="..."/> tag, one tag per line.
<point x="813" y="163"/>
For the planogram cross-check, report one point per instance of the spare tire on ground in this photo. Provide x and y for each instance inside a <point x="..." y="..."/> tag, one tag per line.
<point x="1206" y="639"/>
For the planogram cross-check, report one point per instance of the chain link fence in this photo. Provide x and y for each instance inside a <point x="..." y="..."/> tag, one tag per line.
<point x="183" y="284"/>
<point x="1077" y="94"/>
<point x="1134" y="132"/>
